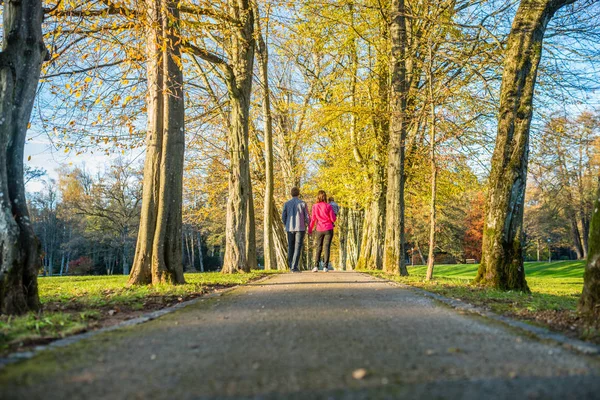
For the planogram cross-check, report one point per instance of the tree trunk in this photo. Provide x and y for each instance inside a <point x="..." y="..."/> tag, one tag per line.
<point x="575" y="234"/>
<point x="503" y="238"/>
<point x="239" y="90"/>
<point x="21" y="61"/>
<point x="263" y="65"/>
<point x="279" y="241"/>
<point x="200" y="253"/>
<point x="393" y="256"/>
<point x="434" y="172"/>
<point x="353" y="237"/>
<point x="158" y="256"/>
<point x="251" y="230"/>
<point x="585" y="232"/>
<point x="342" y="229"/>
<point x="589" y="303"/>
<point x="373" y="236"/>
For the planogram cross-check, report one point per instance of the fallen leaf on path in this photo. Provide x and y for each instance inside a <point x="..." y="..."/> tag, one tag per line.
<point x="359" y="374"/>
<point x="86" y="377"/>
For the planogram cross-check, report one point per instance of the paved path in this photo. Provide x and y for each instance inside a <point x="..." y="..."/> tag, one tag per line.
<point x="301" y="336"/>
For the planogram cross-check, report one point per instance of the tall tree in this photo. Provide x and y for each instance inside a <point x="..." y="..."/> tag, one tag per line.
<point x="503" y="239"/>
<point x="393" y="256"/>
<point x="236" y="68"/>
<point x="269" y="200"/>
<point x="158" y="255"/>
<point x="21" y="59"/>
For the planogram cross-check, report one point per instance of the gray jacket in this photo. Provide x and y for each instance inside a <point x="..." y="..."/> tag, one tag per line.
<point x="295" y="215"/>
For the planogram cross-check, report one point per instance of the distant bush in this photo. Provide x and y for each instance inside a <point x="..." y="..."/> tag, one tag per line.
<point x="81" y="266"/>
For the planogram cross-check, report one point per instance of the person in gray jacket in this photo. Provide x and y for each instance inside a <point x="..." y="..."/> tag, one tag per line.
<point x="296" y="219"/>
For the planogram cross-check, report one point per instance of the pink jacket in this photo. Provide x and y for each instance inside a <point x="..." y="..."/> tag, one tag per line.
<point x="321" y="214"/>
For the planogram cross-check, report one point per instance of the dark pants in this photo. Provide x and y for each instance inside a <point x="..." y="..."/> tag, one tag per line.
<point x="323" y="243"/>
<point x="295" y="242"/>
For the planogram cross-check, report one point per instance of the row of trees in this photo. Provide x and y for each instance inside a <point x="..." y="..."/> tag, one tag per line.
<point x="373" y="98"/>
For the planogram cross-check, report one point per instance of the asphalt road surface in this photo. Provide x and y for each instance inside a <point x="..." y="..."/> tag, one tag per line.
<point x="336" y="335"/>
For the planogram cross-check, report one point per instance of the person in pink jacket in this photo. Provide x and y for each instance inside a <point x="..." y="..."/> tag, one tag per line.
<point x="323" y="217"/>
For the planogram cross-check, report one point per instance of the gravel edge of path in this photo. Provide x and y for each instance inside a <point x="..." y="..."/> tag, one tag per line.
<point x="66" y="341"/>
<point x="540" y="333"/>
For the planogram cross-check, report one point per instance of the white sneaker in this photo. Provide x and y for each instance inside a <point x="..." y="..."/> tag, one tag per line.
<point x="325" y="269"/>
<point x="315" y="269"/>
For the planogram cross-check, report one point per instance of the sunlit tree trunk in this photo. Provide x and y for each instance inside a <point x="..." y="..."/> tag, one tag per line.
<point x="503" y="239"/>
<point x="251" y="230"/>
<point x="279" y="241"/>
<point x="21" y="59"/>
<point x="242" y="60"/>
<point x="158" y="257"/>
<point x="373" y="231"/>
<point x="393" y="255"/>
<point x="354" y="225"/>
<point x="434" y="170"/>
<point x="269" y="201"/>
<point x="341" y="224"/>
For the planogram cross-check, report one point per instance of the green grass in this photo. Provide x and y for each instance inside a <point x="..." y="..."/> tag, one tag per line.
<point x="555" y="290"/>
<point x="72" y="304"/>
<point x="101" y="291"/>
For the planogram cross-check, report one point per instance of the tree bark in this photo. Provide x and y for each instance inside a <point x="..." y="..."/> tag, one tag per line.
<point x="279" y="241"/>
<point x="158" y="256"/>
<point x="239" y="90"/>
<point x="200" y="253"/>
<point x="353" y="237"/>
<point x="393" y="256"/>
<point x="269" y="201"/>
<point x="373" y="231"/>
<point x="434" y="171"/>
<point x="21" y="61"/>
<point x="589" y="303"/>
<point x="503" y="237"/>
<point x="342" y="230"/>
<point x="251" y="230"/>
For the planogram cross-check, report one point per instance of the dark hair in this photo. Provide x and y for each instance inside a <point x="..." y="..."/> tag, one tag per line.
<point x="295" y="192"/>
<point x="321" y="197"/>
<point x="330" y="199"/>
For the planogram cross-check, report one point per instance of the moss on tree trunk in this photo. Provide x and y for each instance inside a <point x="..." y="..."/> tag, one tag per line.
<point x="503" y="236"/>
<point x="393" y="254"/>
<point x="589" y="303"/>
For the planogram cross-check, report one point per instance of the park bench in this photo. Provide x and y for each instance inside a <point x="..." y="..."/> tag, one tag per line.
<point x="471" y="261"/>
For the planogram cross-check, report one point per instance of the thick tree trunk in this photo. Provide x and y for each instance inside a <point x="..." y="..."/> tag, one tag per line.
<point x="21" y="61"/>
<point x="158" y="256"/>
<point x="589" y="303"/>
<point x="239" y="90"/>
<point x="393" y="255"/>
<point x="503" y="237"/>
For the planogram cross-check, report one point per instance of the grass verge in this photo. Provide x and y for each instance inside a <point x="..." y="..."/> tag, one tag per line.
<point x="555" y="291"/>
<point x="74" y="304"/>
